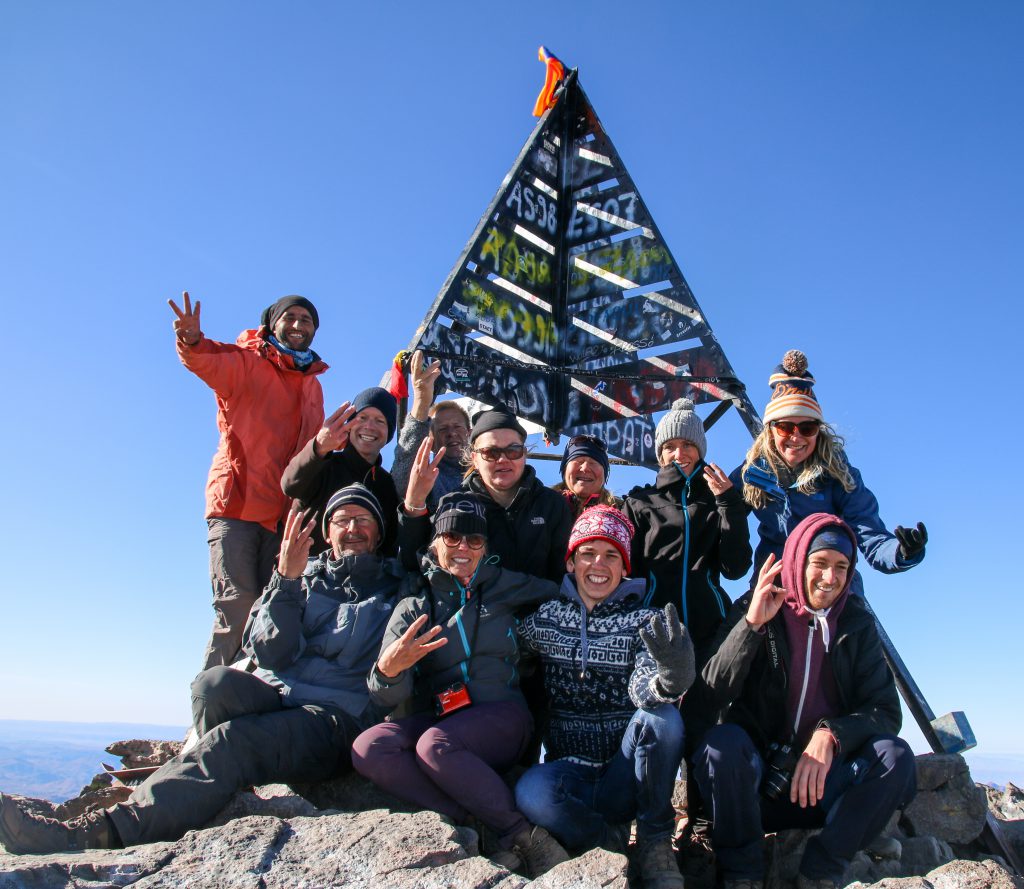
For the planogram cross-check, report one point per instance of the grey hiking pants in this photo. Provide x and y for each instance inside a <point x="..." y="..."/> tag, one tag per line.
<point x="242" y="557"/>
<point x="247" y="737"/>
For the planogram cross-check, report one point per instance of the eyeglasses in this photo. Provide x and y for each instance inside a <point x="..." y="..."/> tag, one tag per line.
<point x="473" y="541"/>
<point x="807" y="428"/>
<point x="588" y="439"/>
<point x="493" y="455"/>
<point x="361" y="521"/>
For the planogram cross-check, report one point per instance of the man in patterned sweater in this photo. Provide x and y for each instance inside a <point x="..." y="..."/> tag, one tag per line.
<point x="614" y="672"/>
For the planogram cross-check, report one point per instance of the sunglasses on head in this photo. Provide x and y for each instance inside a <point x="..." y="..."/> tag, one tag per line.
<point x="473" y="541"/>
<point x="494" y="454"/>
<point x="806" y="428"/>
<point x="587" y="439"/>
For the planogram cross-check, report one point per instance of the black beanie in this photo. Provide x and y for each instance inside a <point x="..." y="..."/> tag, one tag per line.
<point x="461" y="512"/>
<point x="498" y="418"/>
<point x="585" y="446"/>
<point x="272" y="314"/>
<point x="381" y="399"/>
<point x="358" y="495"/>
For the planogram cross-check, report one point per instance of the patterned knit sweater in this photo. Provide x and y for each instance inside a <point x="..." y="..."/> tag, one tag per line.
<point x="597" y="670"/>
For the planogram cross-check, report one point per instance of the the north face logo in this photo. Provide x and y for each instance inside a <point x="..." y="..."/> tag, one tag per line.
<point x="537" y="520"/>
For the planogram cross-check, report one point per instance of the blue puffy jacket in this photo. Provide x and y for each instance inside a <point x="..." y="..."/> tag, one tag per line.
<point x="316" y="637"/>
<point x="858" y="508"/>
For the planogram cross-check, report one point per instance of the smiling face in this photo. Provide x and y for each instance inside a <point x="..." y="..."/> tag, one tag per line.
<point x="458" y="559"/>
<point x="793" y="446"/>
<point x="450" y="431"/>
<point x="598" y="567"/>
<point x="584" y="476"/>
<point x="295" y="328"/>
<point x="504" y="474"/>
<point x="352" y="531"/>
<point x="369" y="433"/>
<point x="681" y="451"/>
<point x="825" y="577"/>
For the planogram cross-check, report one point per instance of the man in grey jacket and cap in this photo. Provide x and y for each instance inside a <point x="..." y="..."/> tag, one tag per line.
<point x="313" y="638"/>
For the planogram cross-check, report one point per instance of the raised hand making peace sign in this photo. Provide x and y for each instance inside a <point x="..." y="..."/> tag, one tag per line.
<point x="186" y="325"/>
<point x="408" y="649"/>
<point x="423" y="475"/>
<point x="297" y="542"/>
<point x="333" y="435"/>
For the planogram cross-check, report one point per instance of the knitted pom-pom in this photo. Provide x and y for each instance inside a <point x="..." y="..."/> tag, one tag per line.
<point x="795" y="362"/>
<point x="682" y="404"/>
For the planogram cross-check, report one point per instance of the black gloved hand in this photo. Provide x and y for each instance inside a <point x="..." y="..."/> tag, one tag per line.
<point x="670" y="646"/>
<point x="912" y="540"/>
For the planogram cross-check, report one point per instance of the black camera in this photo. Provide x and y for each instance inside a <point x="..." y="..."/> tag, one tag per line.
<point x="780" y="762"/>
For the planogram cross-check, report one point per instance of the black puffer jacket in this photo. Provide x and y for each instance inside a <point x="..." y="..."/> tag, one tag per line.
<point x="531" y="535"/>
<point x="680" y="524"/>
<point x="480" y="627"/>
<point x="750" y="672"/>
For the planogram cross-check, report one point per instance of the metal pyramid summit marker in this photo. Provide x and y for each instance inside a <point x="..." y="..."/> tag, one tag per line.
<point x="566" y="303"/>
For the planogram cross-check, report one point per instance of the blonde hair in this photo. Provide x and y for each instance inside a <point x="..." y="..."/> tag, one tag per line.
<point x="451" y="406"/>
<point x="604" y="496"/>
<point x="828" y="459"/>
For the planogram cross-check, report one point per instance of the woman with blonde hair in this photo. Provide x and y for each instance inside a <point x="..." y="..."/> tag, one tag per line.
<point x="797" y="466"/>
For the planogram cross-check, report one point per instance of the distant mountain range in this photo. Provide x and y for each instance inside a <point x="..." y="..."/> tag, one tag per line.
<point x="55" y="760"/>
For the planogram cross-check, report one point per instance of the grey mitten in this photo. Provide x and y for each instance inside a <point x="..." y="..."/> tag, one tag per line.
<point x="672" y="650"/>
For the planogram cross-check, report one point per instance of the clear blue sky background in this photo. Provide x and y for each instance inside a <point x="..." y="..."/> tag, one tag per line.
<point x="845" y="178"/>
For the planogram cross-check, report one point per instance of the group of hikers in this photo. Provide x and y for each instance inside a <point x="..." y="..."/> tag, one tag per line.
<point x="435" y="627"/>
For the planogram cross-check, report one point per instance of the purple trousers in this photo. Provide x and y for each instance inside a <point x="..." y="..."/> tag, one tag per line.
<point x="451" y="765"/>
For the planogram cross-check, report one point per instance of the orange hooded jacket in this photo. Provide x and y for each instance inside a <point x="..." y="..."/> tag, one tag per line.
<point x="267" y="410"/>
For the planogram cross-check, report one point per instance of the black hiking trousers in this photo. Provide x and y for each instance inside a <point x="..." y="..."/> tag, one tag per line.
<point x="247" y="737"/>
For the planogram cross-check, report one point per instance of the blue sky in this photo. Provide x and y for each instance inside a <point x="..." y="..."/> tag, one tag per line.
<point x="843" y="178"/>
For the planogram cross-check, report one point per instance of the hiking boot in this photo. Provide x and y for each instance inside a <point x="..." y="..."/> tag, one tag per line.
<point x="534" y="852"/>
<point x="803" y="882"/>
<point x="22" y="833"/>
<point x="885" y="848"/>
<point x="616" y="837"/>
<point x="658" y="866"/>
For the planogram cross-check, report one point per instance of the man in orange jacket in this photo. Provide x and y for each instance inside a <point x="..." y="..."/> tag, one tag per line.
<point x="269" y="404"/>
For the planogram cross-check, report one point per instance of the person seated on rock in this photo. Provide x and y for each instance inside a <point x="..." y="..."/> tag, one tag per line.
<point x="614" y="671"/>
<point x="313" y="637"/>
<point x="809" y="737"/>
<point x="584" y="470"/>
<point x="344" y="451"/>
<point x="528" y="524"/>
<point x="447" y="424"/>
<point x="449" y="658"/>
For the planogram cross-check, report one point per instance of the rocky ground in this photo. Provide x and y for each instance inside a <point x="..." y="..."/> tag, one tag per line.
<point x="347" y="833"/>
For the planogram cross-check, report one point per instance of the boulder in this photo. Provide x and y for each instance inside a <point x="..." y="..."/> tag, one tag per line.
<point x="948" y="805"/>
<point x="137" y="754"/>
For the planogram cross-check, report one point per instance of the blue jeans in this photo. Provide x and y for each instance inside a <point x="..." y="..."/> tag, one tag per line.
<point x="580" y="805"/>
<point x="862" y="790"/>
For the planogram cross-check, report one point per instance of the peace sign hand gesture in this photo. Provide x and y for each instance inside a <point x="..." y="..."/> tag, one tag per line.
<point x="407" y="650"/>
<point x="333" y="435"/>
<point x="768" y="597"/>
<point x="423" y="475"/>
<point x="717" y="480"/>
<point x="186" y="325"/>
<point x="297" y="542"/>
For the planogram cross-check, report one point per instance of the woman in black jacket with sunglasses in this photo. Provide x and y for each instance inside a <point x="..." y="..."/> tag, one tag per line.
<point x="528" y="524"/>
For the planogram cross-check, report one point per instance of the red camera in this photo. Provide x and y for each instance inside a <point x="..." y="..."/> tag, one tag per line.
<point x="453" y="698"/>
